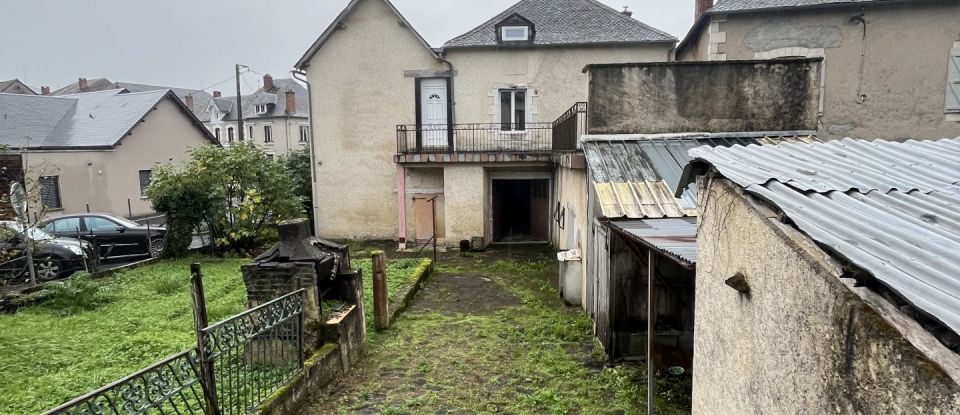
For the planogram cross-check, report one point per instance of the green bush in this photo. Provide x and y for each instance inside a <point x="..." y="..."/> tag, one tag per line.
<point x="239" y="193"/>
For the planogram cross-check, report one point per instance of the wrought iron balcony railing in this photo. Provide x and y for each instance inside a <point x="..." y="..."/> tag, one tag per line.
<point x="541" y="137"/>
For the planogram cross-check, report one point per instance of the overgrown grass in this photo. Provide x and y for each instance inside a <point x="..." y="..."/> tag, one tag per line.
<point x="89" y="333"/>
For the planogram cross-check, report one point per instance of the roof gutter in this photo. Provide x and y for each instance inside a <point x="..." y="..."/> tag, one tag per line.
<point x="301" y="76"/>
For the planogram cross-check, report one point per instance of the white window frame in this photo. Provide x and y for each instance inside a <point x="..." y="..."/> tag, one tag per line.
<point x="143" y="189"/>
<point x="513" y="107"/>
<point x="304" y="133"/>
<point x="505" y="38"/>
<point x="261" y="109"/>
<point x="267" y="134"/>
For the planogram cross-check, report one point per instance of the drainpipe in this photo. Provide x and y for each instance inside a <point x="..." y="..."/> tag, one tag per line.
<point x="313" y="156"/>
<point x="453" y="99"/>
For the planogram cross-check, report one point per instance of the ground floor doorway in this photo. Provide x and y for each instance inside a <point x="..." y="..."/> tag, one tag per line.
<point x="521" y="210"/>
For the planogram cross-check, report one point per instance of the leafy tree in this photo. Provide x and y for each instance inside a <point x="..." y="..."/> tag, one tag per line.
<point x="238" y="192"/>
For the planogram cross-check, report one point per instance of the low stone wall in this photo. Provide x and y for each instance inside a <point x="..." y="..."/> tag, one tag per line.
<point x="345" y="337"/>
<point x="401" y="301"/>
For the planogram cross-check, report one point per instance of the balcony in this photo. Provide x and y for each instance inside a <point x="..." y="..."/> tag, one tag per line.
<point x="440" y="142"/>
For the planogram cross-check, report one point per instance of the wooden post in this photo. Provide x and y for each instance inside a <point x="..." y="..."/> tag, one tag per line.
<point x="200" y="322"/>
<point x="650" y="328"/>
<point x="381" y="316"/>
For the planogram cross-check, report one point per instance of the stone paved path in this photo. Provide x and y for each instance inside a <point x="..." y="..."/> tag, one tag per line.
<point x="487" y="335"/>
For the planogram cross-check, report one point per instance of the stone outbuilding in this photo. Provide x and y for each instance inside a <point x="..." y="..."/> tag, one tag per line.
<point x="828" y="278"/>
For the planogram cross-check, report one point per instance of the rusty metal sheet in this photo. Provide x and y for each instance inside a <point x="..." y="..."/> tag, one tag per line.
<point x="634" y="175"/>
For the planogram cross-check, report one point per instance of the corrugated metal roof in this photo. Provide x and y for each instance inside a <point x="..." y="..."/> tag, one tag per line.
<point x="634" y="174"/>
<point x="753" y="5"/>
<point x="892" y="209"/>
<point x="673" y="237"/>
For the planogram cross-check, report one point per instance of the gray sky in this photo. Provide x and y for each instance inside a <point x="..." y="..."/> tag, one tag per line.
<point x="194" y="43"/>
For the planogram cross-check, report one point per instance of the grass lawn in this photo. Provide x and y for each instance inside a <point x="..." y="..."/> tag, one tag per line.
<point x="50" y="356"/>
<point x="400" y="274"/>
<point x="68" y="346"/>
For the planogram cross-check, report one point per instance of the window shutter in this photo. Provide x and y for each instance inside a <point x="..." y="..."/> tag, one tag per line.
<point x="50" y="192"/>
<point x="953" y="81"/>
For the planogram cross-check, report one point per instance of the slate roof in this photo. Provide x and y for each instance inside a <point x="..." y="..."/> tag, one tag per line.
<point x="724" y="6"/>
<point x="889" y="208"/>
<point x="276" y="98"/>
<point x="634" y="175"/>
<point x="90" y="120"/>
<point x="200" y="98"/>
<point x="4" y="85"/>
<point x="567" y="22"/>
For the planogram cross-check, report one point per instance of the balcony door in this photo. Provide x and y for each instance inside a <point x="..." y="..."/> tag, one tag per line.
<point x="434" y="112"/>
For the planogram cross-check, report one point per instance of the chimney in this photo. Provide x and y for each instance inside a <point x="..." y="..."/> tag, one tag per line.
<point x="701" y="7"/>
<point x="267" y="83"/>
<point x="217" y="94"/>
<point x="82" y="83"/>
<point x="291" y="102"/>
<point x="626" y="11"/>
<point x="44" y="90"/>
<point x="188" y="101"/>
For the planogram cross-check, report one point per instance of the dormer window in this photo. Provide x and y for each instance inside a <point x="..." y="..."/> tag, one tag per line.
<point x="515" y="33"/>
<point x="261" y="109"/>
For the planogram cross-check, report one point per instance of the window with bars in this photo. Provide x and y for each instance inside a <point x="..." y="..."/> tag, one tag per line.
<point x="144" y="182"/>
<point x="267" y="134"/>
<point x="513" y="109"/>
<point x="50" y="192"/>
<point x="304" y="133"/>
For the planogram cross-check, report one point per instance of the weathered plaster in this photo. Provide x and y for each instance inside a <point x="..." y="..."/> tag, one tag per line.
<point x="693" y="97"/>
<point x="905" y="67"/>
<point x="464" y="190"/>
<point x="782" y="33"/>
<point x="802" y="341"/>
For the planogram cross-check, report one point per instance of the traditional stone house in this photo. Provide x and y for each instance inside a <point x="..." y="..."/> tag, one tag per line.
<point x="467" y="130"/>
<point x="891" y="68"/>
<point x="275" y="117"/>
<point x="94" y="151"/>
<point x="827" y="278"/>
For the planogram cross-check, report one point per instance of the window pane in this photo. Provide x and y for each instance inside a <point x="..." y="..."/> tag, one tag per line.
<point x="267" y="134"/>
<point x="520" y="110"/>
<point x="65" y="225"/>
<point x="506" y="106"/>
<point x="100" y="224"/>
<point x="50" y="192"/>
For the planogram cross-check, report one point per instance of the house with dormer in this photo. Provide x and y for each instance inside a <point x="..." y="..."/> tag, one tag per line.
<point x="275" y="117"/>
<point x="414" y="142"/>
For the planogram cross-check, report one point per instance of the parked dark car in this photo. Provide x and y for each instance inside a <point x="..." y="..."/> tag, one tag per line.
<point x="53" y="258"/>
<point x="115" y="238"/>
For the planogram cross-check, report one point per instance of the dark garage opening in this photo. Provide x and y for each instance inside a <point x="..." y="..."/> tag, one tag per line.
<point x="520" y="210"/>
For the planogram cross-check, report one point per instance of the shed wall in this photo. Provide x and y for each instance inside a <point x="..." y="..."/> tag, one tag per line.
<point x="802" y="341"/>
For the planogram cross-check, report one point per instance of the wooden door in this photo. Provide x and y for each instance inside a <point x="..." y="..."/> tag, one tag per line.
<point x="423" y="211"/>
<point x="539" y="210"/>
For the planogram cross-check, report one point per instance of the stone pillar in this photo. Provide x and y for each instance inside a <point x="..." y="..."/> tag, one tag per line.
<point x="268" y="281"/>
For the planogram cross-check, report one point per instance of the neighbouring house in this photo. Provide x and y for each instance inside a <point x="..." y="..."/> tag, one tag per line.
<point x="94" y="151"/>
<point x="891" y="67"/>
<point x="14" y="86"/>
<point x="195" y="99"/>
<point x="276" y="117"/>
<point x="827" y="278"/>
<point x="467" y="130"/>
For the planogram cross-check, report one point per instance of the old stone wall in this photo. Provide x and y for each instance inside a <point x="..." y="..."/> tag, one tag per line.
<point x="703" y="96"/>
<point x="803" y="341"/>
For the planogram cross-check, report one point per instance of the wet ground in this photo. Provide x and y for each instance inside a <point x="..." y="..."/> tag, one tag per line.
<point x="487" y="335"/>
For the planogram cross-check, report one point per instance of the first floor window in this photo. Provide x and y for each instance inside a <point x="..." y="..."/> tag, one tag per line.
<point x="513" y="109"/>
<point x="250" y="136"/>
<point x="230" y="134"/>
<point x="144" y="182"/>
<point x="216" y="133"/>
<point x="50" y="192"/>
<point x="267" y="134"/>
<point x="304" y="133"/>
